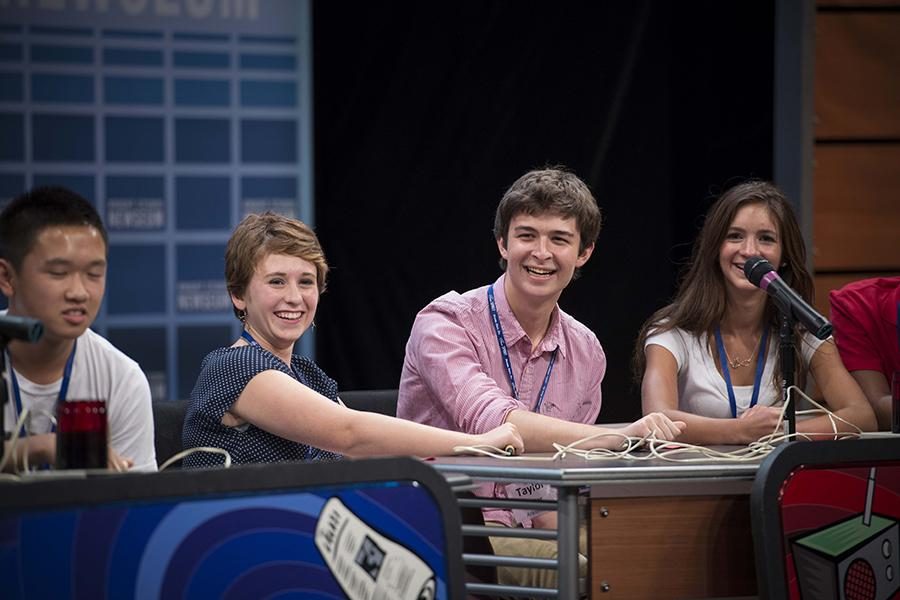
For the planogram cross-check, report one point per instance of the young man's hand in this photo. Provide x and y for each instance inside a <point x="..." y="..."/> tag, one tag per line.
<point x="40" y="449"/>
<point x="118" y="463"/>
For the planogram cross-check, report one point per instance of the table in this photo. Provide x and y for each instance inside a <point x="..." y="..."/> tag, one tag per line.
<point x="374" y="528"/>
<point x="657" y="528"/>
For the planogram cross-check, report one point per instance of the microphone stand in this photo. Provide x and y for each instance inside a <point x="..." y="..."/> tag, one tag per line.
<point x="786" y="341"/>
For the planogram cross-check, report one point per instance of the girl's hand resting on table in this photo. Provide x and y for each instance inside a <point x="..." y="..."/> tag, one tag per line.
<point x="759" y="421"/>
<point x="658" y="424"/>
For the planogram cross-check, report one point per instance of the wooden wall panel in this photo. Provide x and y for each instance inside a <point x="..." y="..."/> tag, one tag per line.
<point x="827" y="282"/>
<point x="856" y="225"/>
<point x="857" y="87"/>
<point x="856" y="3"/>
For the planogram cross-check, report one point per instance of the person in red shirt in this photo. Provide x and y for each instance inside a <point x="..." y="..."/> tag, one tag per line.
<point x="864" y="315"/>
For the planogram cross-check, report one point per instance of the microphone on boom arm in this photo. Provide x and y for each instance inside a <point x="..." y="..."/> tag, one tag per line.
<point x="761" y="274"/>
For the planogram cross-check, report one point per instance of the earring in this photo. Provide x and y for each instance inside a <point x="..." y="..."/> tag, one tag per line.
<point x="313" y="324"/>
<point x="242" y="316"/>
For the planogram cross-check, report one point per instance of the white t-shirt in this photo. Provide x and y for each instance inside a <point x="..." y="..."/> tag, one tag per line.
<point x="100" y="371"/>
<point x="701" y="388"/>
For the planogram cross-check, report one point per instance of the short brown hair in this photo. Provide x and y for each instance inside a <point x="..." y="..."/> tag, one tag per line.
<point x="550" y="190"/>
<point x="260" y="235"/>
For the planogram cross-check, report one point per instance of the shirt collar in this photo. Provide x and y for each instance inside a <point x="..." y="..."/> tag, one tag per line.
<point x="513" y="331"/>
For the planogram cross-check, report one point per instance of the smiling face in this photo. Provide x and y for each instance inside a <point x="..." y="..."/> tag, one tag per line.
<point x="60" y="282"/>
<point x="753" y="232"/>
<point x="542" y="254"/>
<point x="280" y="302"/>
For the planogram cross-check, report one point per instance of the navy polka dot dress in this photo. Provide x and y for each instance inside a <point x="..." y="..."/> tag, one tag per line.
<point x="224" y="374"/>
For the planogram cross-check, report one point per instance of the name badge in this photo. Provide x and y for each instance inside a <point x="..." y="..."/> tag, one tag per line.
<point x="529" y="491"/>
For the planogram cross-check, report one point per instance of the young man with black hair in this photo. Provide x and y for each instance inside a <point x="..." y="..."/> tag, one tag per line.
<point x="53" y="259"/>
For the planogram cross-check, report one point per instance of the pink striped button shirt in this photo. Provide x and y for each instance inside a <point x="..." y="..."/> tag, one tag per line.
<point x="454" y="377"/>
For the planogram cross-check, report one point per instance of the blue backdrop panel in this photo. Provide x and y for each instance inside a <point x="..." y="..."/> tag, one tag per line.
<point x="202" y="140"/>
<point x="63" y="138"/>
<point x="268" y="141"/>
<point x="11" y="88"/>
<point x="212" y="92"/>
<point x="11" y="52"/>
<point x="194" y="343"/>
<point x="200" y="279"/>
<point x="132" y="58"/>
<point x="275" y="62"/>
<point x="268" y="93"/>
<point x="74" y="32"/>
<point x="202" y="203"/>
<point x="82" y="184"/>
<point x="135" y="203"/>
<point x="10" y="185"/>
<point x="175" y="118"/>
<point x="277" y="194"/>
<point x="131" y="34"/>
<point x="202" y="60"/>
<point x="140" y="282"/>
<point x="133" y="90"/>
<point x="146" y="345"/>
<point x="12" y="142"/>
<point x="75" y="55"/>
<point x="74" y="89"/>
<point x="134" y="139"/>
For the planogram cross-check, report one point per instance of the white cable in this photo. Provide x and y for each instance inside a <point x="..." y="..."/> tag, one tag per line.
<point x="831" y="416"/>
<point x="25" y="420"/>
<point x="14" y="441"/>
<point x="26" y="467"/>
<point x="672" y="451"/>
<point x="189" y="451"/>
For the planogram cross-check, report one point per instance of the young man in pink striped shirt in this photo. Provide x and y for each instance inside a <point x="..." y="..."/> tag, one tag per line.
<point x="507" y="352"/>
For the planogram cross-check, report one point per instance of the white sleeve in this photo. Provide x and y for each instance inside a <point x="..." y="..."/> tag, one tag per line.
<point x="671" y="340"/>
<point x="809" y="344"/>
<point x="131" y="426"/>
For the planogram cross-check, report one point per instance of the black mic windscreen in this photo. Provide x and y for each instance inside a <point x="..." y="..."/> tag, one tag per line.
<point x="20" y="328"/>
<point x="755" y="267"/>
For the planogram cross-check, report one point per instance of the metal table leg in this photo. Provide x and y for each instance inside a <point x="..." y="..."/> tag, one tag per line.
<point x="567" y="522"/>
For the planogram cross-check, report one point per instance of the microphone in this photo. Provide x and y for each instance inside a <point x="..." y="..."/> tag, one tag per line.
<point x="761" y="274"/>
<point x="20" y="328"/>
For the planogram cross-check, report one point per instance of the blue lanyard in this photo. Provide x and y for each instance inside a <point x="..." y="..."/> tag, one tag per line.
<point x="504" y="352"/>
<point x="246" y="335"/>
<point x="250" y="340"/>
<point x="63" y="387"/>
<point x="760" y="365"/>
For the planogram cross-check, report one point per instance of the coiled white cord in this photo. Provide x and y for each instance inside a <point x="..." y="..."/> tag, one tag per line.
<point x="675" y="451"/>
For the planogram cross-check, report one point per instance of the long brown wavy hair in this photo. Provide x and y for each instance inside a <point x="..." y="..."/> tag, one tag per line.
<point x="699" y="304"/>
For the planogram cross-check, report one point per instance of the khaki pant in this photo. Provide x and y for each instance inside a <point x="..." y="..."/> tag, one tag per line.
<point x="544" y="578"/>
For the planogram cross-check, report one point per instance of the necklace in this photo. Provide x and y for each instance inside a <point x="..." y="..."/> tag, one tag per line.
<point x="726" y="374"/>
<point x="737" y="363"/>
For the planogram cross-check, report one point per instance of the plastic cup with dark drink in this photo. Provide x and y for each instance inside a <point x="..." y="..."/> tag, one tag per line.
<point x="82" y="435"/>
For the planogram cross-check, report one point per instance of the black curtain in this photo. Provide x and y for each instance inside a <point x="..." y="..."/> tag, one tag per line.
<point x="425" y="112"/>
